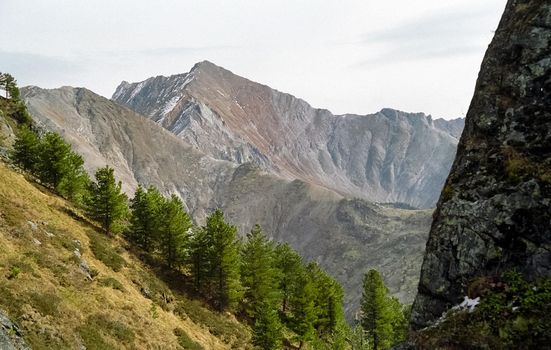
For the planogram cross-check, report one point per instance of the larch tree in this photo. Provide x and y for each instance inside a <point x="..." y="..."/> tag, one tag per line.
<point x="198" y="259"/>
<point x="173" y="233"/>
<point x="223" y="261"/>
<point x="259" y="276"/>
<point x="260" y="280"/>
<point x="376" y="317"/>
<point x="303" y="309"/>
<point x="25" y="149"/>
<point x="106" y="202"/>
<point x="145" y="222"/>
<point x="267" y="328"/>
<point x="329" y="306"/>
<point x="290" y="265"/>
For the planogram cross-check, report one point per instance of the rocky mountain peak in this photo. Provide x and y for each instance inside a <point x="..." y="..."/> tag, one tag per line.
<point x="390" y="156"/>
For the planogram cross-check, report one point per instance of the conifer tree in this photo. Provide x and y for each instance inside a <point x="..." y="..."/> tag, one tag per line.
<point x="357" y="339"/>
<point x="75" y="182"/>
<point x="136" y="228"/>
<point x="400" y="315"/>
<point x="259" y="275"/>
<point x="267" y="333"/>
<point x="303" y="309"/>
<point x="376" y="317"/>
<point x="329" y="304"/>
<point x="10" y="85"/>
<point x="26" y="148"/>
<point x="53" y="159"/>
<point x="200" y="251"/>
<point x="173" y="237"/>
<point x="224" y="261"/>
<point x="290" y="265"/>
<point x="145" y="222"/>
<point x="107" y="203"/>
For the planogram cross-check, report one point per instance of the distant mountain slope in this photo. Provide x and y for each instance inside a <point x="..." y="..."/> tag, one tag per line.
<point x="390" y="156"/>
<point x="345" y="236"/>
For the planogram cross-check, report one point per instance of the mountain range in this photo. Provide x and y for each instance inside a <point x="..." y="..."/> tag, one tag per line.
<point x="390" y="156"/>
<point x="342" y="190"/>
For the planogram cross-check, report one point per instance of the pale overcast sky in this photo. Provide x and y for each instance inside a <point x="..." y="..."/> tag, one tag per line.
<point x="347" y="56"/>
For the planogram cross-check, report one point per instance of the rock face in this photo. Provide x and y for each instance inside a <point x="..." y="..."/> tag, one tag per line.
<point x="494" y="213"/>
<point x="10" y="335"/>
<point x="390" y="156"/>
<point x="346" y="236"/>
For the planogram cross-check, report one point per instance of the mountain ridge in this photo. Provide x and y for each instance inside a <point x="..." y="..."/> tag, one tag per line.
<point x="232" y="118"/>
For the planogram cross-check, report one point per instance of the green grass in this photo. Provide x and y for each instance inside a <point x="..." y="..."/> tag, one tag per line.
<point x="185" y="341"/>
<point x="46" y="303"/>
<point x="99" y="326"/>
<point x="111" y="282"/>
<point x="14" y="272"/>
<point x="230" y="332"/>
<point x="154" y="289"/>
<point x="104" y="251"/>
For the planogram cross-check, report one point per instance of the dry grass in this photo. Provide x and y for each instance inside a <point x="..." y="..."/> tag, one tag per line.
<point x="52" y="299"/>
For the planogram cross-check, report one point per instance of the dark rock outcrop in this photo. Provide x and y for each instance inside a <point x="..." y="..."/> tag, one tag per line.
<point x="494" y="213"/>
<point x="10" y="335"/>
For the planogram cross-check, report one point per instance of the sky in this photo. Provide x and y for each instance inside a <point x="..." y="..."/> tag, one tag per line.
<point x="347" y="56"/>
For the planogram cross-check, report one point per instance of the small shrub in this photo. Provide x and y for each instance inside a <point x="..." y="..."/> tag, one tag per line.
<point x="14" y="272"/>
<point x="97" y="326"/>
<point x="111" y="282"/>
<point x="230" y="332"/>
<point x="154" y="311"/>
<point x="92" y="338"/>
<point x="185" y="341"/>
<point x="103" y="251"/>
<point x="45" y="303"/>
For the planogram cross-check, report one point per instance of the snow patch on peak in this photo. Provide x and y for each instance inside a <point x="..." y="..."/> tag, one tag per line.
<point x="169" y="106"/>
<point x="137" y="90"/>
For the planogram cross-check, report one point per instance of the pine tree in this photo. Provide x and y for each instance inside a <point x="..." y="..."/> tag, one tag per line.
<point x="173" y="237"/>
<point x="303" y="309"/>
<point x="329" y="304"/>
<point x="53" y="159"/>
<point x="290" y="265"/>
<point x="107" y="203"/>
<point x="259" y="276"/>
<point x="224" y="261"/>
<point x="26" y="149"/>
<point x="18" y="110"/>
<point x="145" y="222"/>
<point x="75" y="182"/>
<point x="60" y="168"/>
<point x="376" y="317"/>
<point x="357" y="340"/>
<point x="200" y="250"/>
<point x="400" y="315"/>
<point x="267" y="333"/>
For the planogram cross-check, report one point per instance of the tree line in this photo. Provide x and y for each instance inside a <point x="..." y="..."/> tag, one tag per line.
<point x="267" y="284"/>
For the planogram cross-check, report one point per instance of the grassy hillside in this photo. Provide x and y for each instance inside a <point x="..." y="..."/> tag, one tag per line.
<point x="66" y="285"/>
